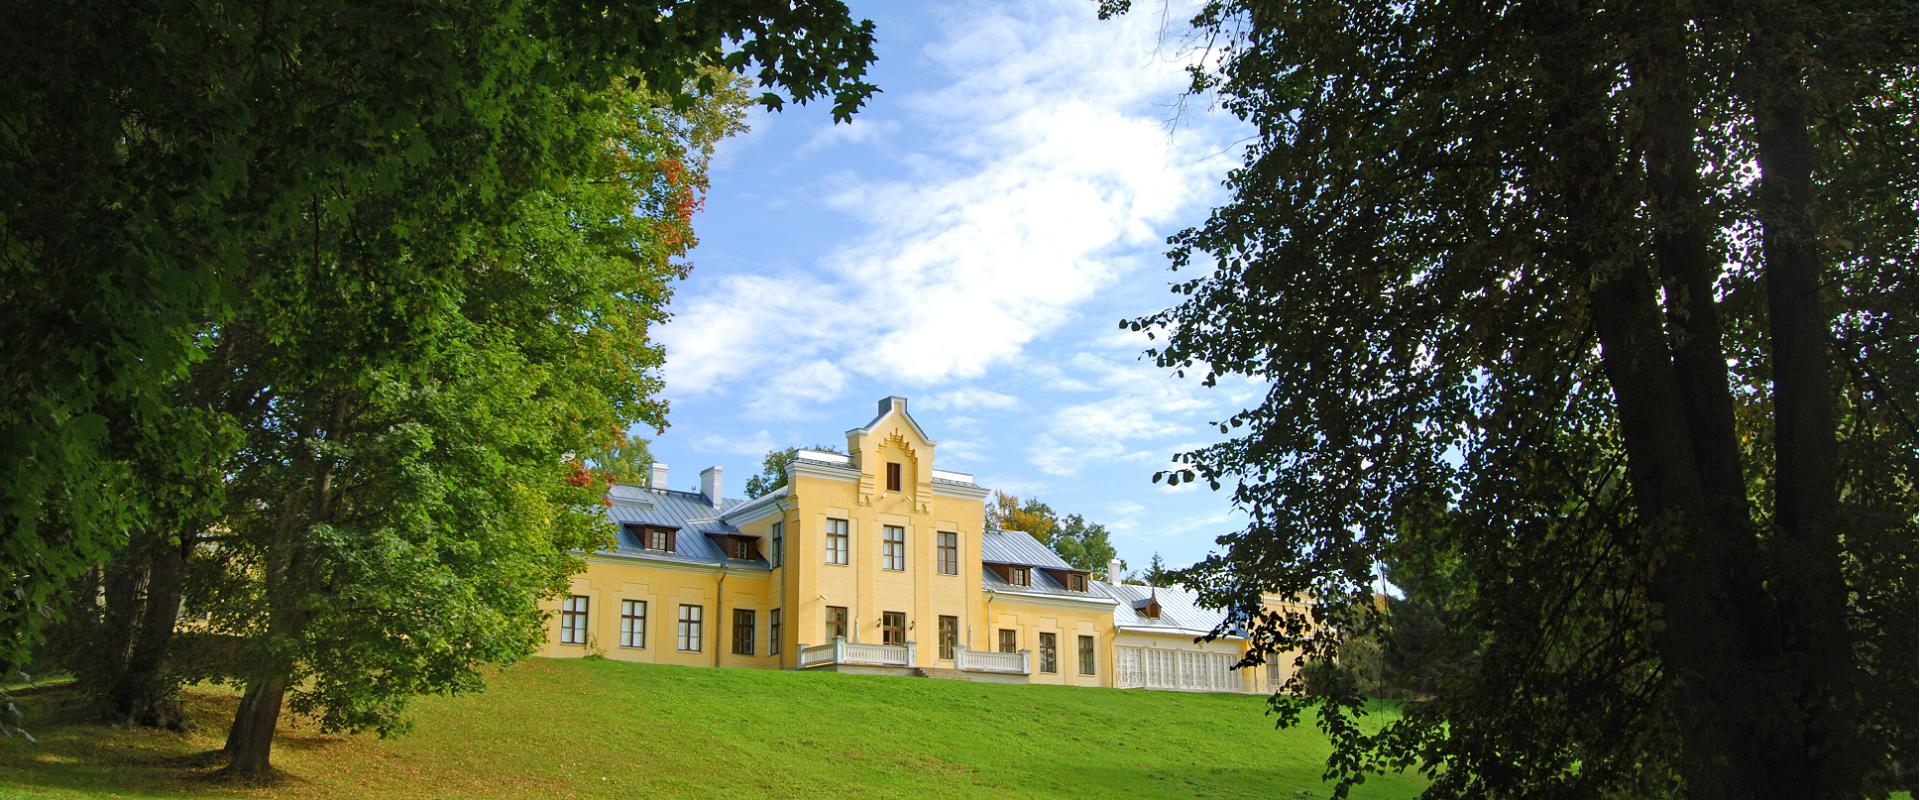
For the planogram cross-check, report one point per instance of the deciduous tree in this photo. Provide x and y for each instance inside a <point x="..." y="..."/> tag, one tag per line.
<point x="1600" y="304"/>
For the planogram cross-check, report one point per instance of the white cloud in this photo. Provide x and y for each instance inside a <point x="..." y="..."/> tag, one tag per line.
<point x="755" y="444"/>
<point x="969" y="399"/>
<point x="1039" y="172"/>
<point x="788" y="394"/>
<point x="864" y="130"/>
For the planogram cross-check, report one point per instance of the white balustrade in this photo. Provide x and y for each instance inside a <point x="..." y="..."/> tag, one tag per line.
<point x="1020" y="663"/>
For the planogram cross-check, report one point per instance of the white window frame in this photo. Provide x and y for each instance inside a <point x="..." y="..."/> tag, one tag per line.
<point x="692" y="627"/>
<point x="636" y="639"/>
<point x="893" y="548"/>
<point x="573" y="619"/>
<point x="839" y="541"/>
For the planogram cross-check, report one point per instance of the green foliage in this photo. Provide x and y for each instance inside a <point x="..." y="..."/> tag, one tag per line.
<point x="1080" y="543"/>
<point x="773" y="469"/>
<point x="1519" y="277"/>
<point x="356" y="233"/>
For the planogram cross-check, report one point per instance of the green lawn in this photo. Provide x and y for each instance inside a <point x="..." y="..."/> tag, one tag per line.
<point x="608" y="729"/>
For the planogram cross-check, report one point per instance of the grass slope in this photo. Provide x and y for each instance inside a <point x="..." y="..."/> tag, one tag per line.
<point x="608" y="729"/>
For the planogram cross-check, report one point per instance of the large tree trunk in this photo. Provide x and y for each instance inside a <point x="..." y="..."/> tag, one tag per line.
<point x="142" y="694"/>
<point x="250" y="741"/>
<point x="1811" y="585"/>
<point x="1697" y="564"/>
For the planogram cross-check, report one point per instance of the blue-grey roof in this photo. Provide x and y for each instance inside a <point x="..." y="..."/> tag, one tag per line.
<point x="1180" y="610"/>
<point x="1018" y="547"/>
<point x="688" y="512"/>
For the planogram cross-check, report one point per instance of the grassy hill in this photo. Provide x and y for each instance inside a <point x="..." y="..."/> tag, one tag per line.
<point x="609" y="729"/>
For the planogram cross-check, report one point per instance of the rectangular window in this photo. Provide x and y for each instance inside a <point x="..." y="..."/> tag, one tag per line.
<point x="893" y="627"/>
<point x="1017" y="576"/>
<point x="743" y="631"/>
<point x="1049" y="658"/>
<point x="837" y="537"/>
<point x="893" y="476"/>
<point x="659" y="539"/>
<point x="836" y="622"/>
<point x="949" y="636"/>
<point x="1273" y="673"/>
<point x="573" y="620"/>
<point x="773" y="632"/>
<point x="690" y="635"/>
<point x="949" y="560"/>
<point x="1086" y="655"/>
<point x="1009" y="640"/>
<point x="1076" y="582"/>
<point x="779" y="554"/>
<point x="633" y="623"/>
<point x="893" y="552"/>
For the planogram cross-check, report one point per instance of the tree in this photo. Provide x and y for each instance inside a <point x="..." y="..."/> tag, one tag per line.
<point x="224" y="178"/>
<point x="1598" y="304"/>
<point x="399" y="518"/>
<point x="1009" y="513"/>
<point x="773" y="468"/>
<point x="1084" y="545"/>
<point x="1157" y="573"/>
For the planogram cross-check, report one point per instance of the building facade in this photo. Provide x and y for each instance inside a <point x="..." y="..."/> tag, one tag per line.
<point x="875" y="561"/>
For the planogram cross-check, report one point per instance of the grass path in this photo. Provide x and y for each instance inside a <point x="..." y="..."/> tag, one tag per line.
<point x="609" y="729"/>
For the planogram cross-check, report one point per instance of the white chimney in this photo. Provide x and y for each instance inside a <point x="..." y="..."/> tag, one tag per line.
<point x="659" y="478"/>
<point x="1115" y="569"/>
<point x="710" y="485"/>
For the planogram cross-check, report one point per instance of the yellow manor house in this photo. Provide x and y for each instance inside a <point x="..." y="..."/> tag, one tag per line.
<point x="876" y="562"/>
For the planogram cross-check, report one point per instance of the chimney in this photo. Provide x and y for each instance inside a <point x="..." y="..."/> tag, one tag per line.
<point x="710" y="485"/>
<point x="659" y="477"/>
<point x="1115" y="569"/>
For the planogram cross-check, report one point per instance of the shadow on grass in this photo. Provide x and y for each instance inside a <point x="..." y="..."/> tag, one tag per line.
<point x="74" y="755"/>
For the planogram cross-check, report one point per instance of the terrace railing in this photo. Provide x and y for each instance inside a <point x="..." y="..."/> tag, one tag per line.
<point x="1020" y="663"/>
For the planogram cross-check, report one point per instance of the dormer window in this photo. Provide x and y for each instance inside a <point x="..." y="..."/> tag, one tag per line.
<point x="739" y="548"/>
<point x="1017" y="576"/>
<point x="660" y="539"/>
<point x="893" y="476"/>
<point x="1076" y="582"/>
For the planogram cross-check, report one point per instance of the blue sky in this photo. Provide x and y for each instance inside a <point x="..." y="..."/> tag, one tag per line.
<point x="969" y="242"/>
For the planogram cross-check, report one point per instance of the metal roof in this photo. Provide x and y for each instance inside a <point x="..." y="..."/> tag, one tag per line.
<point x="1018" y="547"/>
<point x="688" y="512"/>
<point x="1180" y="610"/>
<point x="1041" y="583"/>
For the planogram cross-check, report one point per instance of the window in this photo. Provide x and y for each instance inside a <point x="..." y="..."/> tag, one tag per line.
<point x="573" y="620"/>
<point x="893" y="476"/>
<point x="837" y="541"/>
<point x="1009" y="640"/>
<point x="658" y="539"/>
<point x="1086" y="655"/>
<point x="893" y="552"/>
<point x="949" y="558"/>
<point x="743" y="631"/>
<point x="779" y="554"/>
<point x="1049" y="657"/>
<point x="690" y="635"/>
<point x="1017" y="576"/>
<point x="633" y="623"/>
<point x="1076" y="582"/>
<point x="893" y="627"/>
<point x="836" y="622"/>
<point x="739" y="548"/>
<point x="949" y="636"/>
<point x="773" y="632"/>
<point x="1273" y="673"/>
